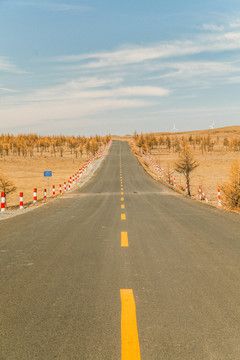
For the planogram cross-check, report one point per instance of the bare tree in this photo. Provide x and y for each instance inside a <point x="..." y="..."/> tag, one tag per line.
<point x="6" y="186"/>
<point x="185" y="164"/>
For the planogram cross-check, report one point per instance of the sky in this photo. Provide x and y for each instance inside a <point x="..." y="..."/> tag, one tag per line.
<point x="101" y="66"/>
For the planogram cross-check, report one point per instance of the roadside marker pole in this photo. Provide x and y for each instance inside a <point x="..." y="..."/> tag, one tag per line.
<point x="200" y="192"/>
<point x="174" y="182"/>
<point x="45" y="193"/>
<point x="65" y="186"/>
<point x="219" y="198"/>
<point x="53" y="190"/>
<point x="204" y="196"/>
<point x="35" y="195"/>
<point x="21" y="200"/>
<point x="186" y="189"/>
<point x="60" y="189"/>
<point x="3" y="201"/>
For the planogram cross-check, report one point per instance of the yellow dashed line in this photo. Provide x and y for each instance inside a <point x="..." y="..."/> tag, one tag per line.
<point x="129" y="331"/>
<point x="122" y="199"/>
<point x="122" y="206"/>
<point x="124" y="239"/>
<point x="123" y="216"/>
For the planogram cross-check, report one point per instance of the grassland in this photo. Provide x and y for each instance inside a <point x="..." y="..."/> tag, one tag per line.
<point x="23" y="160"/>
<point x="214" y="150"/>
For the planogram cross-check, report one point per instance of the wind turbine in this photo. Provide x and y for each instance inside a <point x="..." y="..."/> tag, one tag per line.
<point x="174" y="129"/>
<point x="212" y="125"/>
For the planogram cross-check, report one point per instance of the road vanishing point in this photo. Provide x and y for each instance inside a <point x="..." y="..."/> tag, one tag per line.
<point x="122" y="268"/>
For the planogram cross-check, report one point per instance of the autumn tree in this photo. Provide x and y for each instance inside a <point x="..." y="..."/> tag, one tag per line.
<point x="231" y="188"/>
<point x="185" y="164"/>
<point x="7" y="187"/>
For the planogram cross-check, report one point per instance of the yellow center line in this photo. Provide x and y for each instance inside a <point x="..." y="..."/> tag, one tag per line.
<point x="124" y="239"/>
<point x="123" y="216"/>
<point x="129" y="331"/>
<point x="121" y="192"/>
<point x="122" y="199"/>
<point x="122" y="206"/>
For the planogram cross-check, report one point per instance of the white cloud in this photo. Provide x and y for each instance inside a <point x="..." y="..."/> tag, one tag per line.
<point x="75" y="100"/>
<point x="103" y="83"/>
<point x="134" y="55"/>
<point x="33" y="113"/>
<point x="213" y="27"/>
<point x="235" y="25"/>
<point x="7" y="66"/>
<point x="6" y="90"/>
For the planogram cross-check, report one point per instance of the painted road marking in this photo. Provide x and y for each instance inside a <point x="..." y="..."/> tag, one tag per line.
<point x="122" y="199"/>
<point x="129" y="332"/>
<point x="124" y="239"/>
<point x="123" y="216"/>
<point x="122" y="206"/>
<point x="121" y="192"/>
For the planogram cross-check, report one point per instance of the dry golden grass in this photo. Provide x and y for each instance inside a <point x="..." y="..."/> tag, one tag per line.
<point x="27" y="174"/>
<point x="214" y="166"/>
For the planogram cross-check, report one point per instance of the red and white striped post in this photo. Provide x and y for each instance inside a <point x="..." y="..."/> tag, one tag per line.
<point x="45" y="193"/>
<point x="21" y="200"/>
<point x="200" y="192"/>
<point x="53" y="190"/>
<point x="186" y="189"/>
<point x="219" y="198"/>
<point x="174" y="182"/>
<point x="3" y="201"/>
<point x="65" y="186"/>
<point x="204" y="196"/>
<point x="60" y="189"/>
<point x="69" y="185"/>
<point x="35" y="195"/>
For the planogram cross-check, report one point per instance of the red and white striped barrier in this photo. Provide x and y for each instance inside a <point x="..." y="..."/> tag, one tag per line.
<point x="69" y="184"/>
<point x="3" y="202"/>
<point x="204" y="196"/>
<point x="45" y="193"/>
<point x="35" y="195"/>
<point x="21" y="200"/>
<point x="60" y="189"/>
<point x="219" y="198"/>
<point x="65" y="186"/>
<point x="53" y="190"/>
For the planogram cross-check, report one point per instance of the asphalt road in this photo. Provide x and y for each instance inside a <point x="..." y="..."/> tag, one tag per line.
<point x="62" y="268"/>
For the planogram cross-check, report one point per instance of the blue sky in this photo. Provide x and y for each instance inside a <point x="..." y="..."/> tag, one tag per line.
<point x="87" y="67"/>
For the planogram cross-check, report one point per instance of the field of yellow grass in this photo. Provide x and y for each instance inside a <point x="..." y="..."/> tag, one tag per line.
<point x="26" y="173"/>
<point x="214" y="163"/>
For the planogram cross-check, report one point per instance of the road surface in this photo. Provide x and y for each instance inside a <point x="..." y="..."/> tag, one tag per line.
<point x="121" y="267"/>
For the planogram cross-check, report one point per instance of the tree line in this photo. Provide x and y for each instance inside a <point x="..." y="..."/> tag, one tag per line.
<point x="30" y="145"/>
<point x="175" y="143"/>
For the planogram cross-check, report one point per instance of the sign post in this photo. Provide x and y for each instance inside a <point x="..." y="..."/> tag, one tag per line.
<point x="48" y="174"/>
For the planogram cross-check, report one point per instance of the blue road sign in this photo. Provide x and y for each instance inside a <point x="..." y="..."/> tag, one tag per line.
<point x="47" y="173"/>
